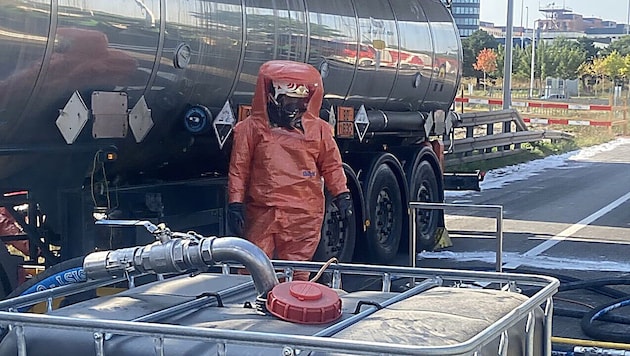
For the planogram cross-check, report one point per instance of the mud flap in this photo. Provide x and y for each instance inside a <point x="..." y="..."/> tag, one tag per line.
<point x="463" y="181"/>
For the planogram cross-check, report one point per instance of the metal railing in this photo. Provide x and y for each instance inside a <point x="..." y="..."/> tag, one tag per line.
<point x="289" y="344"/>
<point x="496" y="209"/>
<point x="480" y="141"/>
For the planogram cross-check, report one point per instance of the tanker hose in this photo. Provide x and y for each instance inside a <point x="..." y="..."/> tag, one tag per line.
<point x="609" y="335"/>
<point x="178" y="255"/>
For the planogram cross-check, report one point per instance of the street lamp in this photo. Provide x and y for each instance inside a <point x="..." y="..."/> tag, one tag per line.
<point x="533" y="64"/>
<point x="507" y="65"/>
<point x="524" y="28"/>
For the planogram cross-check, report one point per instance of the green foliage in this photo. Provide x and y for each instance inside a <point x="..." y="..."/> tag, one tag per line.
<point x="562" y="59"/>
<point x="587" y="46"/>
<point x="614" y="65"/>
<point x="522" y="62"/>
<point x="622" y="46"/>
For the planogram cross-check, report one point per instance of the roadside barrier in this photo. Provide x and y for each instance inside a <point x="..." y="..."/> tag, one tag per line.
<point x="535" y="104"/>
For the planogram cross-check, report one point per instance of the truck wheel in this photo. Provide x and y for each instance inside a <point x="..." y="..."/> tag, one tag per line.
<point x="338" y="236"/>
<point x="424" y="188"/>
<point x="385" y="212"/>
<point x="9" y="265"/>
<point x="5" y="287"/>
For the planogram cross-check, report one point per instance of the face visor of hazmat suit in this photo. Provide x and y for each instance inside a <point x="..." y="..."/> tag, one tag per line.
<point x="286" y="104"/>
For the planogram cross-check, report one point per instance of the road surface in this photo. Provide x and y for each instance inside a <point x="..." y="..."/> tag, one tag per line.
<point x="567" y="216"/>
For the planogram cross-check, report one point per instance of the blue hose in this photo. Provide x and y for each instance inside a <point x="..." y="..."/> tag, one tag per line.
<point x="597" y="333"/>
<point x="609" y="308"/>
<point x="70" y="276"/>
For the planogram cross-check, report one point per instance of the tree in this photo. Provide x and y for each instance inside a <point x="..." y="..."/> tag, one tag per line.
<point x="486" y="63"/>
<point x="622" y="46"/>
<point x="472" y="45"/>
<point x="613" y="66"/>
<point x="588" y="47"/>
<point x="592" y="71"/>
<point x="560" y="59"/>
<point x="522" y="63"/>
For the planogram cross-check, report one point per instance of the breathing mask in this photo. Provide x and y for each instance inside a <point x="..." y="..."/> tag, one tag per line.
<point x="286" y="103"/>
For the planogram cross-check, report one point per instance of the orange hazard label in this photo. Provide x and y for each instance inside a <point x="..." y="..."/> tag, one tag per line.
<point x="345" y="122"/>
<point x="243" y="112"/>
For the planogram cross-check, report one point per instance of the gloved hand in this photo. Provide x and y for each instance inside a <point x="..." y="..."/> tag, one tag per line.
<point x="343" y="202"/>
<point x="236" y="218"/>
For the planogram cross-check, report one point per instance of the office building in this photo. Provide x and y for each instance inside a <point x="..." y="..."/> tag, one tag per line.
<point x="466" y="15"/>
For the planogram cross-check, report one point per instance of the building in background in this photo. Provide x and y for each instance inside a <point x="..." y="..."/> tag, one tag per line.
<point x="560" y="21"/>
<point x="466" y="15"/>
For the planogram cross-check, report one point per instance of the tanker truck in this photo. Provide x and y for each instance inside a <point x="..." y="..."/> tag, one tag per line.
<point x="124" y="110"/>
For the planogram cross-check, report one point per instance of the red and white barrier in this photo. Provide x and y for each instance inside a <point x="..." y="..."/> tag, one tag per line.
<point x="536" y="104"/>
<point x="540" y="121"/>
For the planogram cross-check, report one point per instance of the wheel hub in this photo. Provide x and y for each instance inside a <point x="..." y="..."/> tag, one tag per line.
<point x="384" y="216"/>
<point x="423" y="216"/>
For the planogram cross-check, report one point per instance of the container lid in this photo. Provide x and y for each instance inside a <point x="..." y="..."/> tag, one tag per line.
<point x="304" y="302"/>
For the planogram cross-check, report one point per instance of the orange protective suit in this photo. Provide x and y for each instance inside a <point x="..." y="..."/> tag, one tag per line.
<point x="277" y="173"/>
<point x="8" y="226"/>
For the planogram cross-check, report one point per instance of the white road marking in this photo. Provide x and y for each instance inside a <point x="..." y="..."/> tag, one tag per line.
<point x="568" y="232"/>
<point x="532" y="257"/>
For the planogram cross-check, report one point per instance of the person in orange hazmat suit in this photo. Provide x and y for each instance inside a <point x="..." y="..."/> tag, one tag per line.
<point x="280" y="154"/>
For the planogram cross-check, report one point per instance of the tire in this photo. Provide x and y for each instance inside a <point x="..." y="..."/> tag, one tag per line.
<point x="423" y="187"/>
<point x="385" y="211"/>
<point x="4" y="287"/>
<point x="338" y="236"/>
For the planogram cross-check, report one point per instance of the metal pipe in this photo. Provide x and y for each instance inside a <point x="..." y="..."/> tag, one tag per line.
<point x="404" y="272"/>
<point x="499" y="254"/>
<point x="392" y="121"/>
<point x="548" y="329"/>
<point x="252" y="257"/>
<point x="443" y="206"/>
<point x="180" y="255"/>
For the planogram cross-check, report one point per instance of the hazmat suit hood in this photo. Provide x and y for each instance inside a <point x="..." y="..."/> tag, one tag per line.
<point x="292" y="72"/>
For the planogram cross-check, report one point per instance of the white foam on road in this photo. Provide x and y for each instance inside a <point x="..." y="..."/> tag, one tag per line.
<point x="539" y="262"/>
<point x="498" y="178"/>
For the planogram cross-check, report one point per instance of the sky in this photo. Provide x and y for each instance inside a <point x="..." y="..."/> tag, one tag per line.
<point x="496" y="10"/>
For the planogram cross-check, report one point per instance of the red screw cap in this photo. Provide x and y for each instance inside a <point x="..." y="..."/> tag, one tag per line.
<point x="304" y="302"/>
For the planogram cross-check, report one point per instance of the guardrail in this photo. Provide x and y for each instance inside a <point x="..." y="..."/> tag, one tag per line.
<point x="478" y="141"/>
<point x="551" y="112"/>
